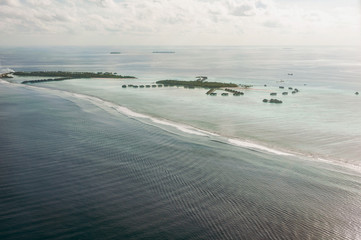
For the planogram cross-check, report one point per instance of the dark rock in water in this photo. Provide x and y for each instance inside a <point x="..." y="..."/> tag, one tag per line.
<point x="357" y="93"/>
<point x="135" y="86"/>
<point x="282" y="87"/>
<point x="290" y="88"/>
<point x="265" y="100"/>
<point x="265" y="85"/>
<point x="147" y="86"/>
<point x="141" y="86"/>
<point x="124" y="86"/>
<point x="213" y="94"/>
<point x="285" y="93"/>
<point x="293" y="92"/>
<point x="273" y="94"/>
<point x="154" y="86"/>
<point x="296" y="90"/>
<point x="224" y="94"/>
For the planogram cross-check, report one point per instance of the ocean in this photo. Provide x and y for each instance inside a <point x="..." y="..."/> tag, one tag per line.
<point x="89" y="159"/>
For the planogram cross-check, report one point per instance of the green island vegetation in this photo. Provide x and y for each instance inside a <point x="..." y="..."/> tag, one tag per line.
<point x="61" y="76"/>
<point x="71" y="74"/>
<point x="191" y="84"/>
<point x="45" y="80"/>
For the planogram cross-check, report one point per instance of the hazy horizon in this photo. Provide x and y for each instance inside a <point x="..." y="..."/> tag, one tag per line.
<point x="179" y="23"/>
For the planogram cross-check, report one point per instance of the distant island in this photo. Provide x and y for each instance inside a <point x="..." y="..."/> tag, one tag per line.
<point x="45" y="80"/>
<point x="114" y="52"/>
<point x="163" y="52"/>
<point x="71" y="74"/>
<point x="60" y="76"/>
<point x="196" y="84"/>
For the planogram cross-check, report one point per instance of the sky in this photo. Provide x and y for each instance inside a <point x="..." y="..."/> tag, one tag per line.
<point x="180" y="22"/>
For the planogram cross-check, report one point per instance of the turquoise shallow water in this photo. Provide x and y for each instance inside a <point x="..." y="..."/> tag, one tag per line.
<point x="312" y="122"/>
<point x="73" y="167"/>
<point x="322" y="120"/>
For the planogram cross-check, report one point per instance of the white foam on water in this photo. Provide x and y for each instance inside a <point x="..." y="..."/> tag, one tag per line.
<point x="126" y="111"/>
<point x="180" y="127"/>
<point x="246" y="144"/>
<point x="4" y="82"/>
<point x="184" y="128"/>
<point x="131" y="113"/>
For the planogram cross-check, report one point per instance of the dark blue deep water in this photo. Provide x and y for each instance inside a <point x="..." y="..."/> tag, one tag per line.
<point x="70" y="170"/>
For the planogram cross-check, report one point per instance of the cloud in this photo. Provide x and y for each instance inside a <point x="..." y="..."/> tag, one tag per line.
<point x="261" y="4"/>
<point x="134" y="21"/>
<point x="243" y="10"/>
<point x="108" y="14"/>
<point x="14" y="3"/>
<point x="272" y="24"/>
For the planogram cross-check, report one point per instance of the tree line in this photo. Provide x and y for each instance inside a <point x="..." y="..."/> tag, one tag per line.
<point x="71" y="74"/>
<point x="196" y="84"/>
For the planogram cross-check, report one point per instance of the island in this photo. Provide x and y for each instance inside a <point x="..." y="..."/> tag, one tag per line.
<point x="60" y="76"/>
<point x="163" y="52"/>
<point x="45" y="80"/>
<point x="199" y="84"/>
<point x="70" y="74"/>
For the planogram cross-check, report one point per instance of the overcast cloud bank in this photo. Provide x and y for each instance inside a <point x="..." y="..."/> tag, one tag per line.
<point x="175" y="22"/>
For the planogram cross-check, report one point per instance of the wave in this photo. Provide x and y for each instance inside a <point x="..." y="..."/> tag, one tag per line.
<point x="4" y="82"/>
<point x="158" y="122"/>
<point x="129" y="113"/>
<point x="246" y="144"/>
<point x="164" y="122"/>
<point x="181" y="127"/>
